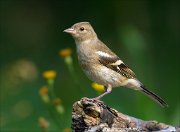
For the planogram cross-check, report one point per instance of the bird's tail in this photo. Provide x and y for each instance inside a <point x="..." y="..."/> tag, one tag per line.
<point x="153" y="96"/>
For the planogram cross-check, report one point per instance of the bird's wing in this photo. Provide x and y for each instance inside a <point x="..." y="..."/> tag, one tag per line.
<point x="113" y="62"/>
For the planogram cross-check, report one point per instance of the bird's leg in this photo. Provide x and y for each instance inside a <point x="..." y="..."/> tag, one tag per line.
<point x="108" y="90"/>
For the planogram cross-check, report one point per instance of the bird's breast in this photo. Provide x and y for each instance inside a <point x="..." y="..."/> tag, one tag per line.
<point x="102" y="75"/>
<point x="94" y="70"/>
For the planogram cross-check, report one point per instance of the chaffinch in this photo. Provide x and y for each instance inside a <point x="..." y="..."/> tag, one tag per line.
<point x="103" y="66"/>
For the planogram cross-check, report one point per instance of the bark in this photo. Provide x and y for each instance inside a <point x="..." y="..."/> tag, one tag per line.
<point x="91" y="115"/>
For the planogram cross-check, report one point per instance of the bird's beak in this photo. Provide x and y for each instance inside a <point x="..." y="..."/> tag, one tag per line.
<point x="70" y="31"/>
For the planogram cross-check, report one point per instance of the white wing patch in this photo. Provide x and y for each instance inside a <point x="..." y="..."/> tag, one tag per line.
<point x="118" y="62"/>
<point x="104" y="54"/>
<point x="101" y="53"/>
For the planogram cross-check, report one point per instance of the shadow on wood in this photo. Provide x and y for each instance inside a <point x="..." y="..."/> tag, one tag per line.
<point x="91" y="115"/>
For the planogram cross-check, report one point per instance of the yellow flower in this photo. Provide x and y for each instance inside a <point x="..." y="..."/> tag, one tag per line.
<point x="44" y="94"/>
<point x="43" y="123"/>
<point x="97" y="87"/>
<point x="65" y="52"/>
<point x="43" y="90"/>
<point x="67" y="130"/>
<point x="50" y="74"/>
<point x="58" y="105"/>
<point x="57" y="101"/>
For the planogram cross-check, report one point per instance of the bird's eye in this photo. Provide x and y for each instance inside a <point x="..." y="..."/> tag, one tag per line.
<point x="81" y="28"/>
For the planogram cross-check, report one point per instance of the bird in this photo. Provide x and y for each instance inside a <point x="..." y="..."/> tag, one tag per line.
<point x="102" y="65"/>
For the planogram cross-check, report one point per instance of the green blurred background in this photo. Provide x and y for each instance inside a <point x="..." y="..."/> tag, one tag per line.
<point x="145" y="34"/>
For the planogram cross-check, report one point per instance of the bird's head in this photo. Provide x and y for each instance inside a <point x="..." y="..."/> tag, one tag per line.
<point x="82" y="31"/>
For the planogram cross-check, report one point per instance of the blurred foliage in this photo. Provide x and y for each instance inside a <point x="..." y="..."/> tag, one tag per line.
<point x="145" y="34"/>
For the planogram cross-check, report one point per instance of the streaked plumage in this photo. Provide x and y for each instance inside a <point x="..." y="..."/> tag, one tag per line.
<point x="103" y="66"/>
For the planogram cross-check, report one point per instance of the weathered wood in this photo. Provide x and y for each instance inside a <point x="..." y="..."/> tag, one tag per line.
<point x="91" y="115"/>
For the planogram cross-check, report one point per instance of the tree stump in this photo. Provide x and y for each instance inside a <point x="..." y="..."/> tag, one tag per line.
<point x="91" y="115"/>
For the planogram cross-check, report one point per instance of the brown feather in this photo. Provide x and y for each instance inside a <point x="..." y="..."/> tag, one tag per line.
<point x="122" y="68"/>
